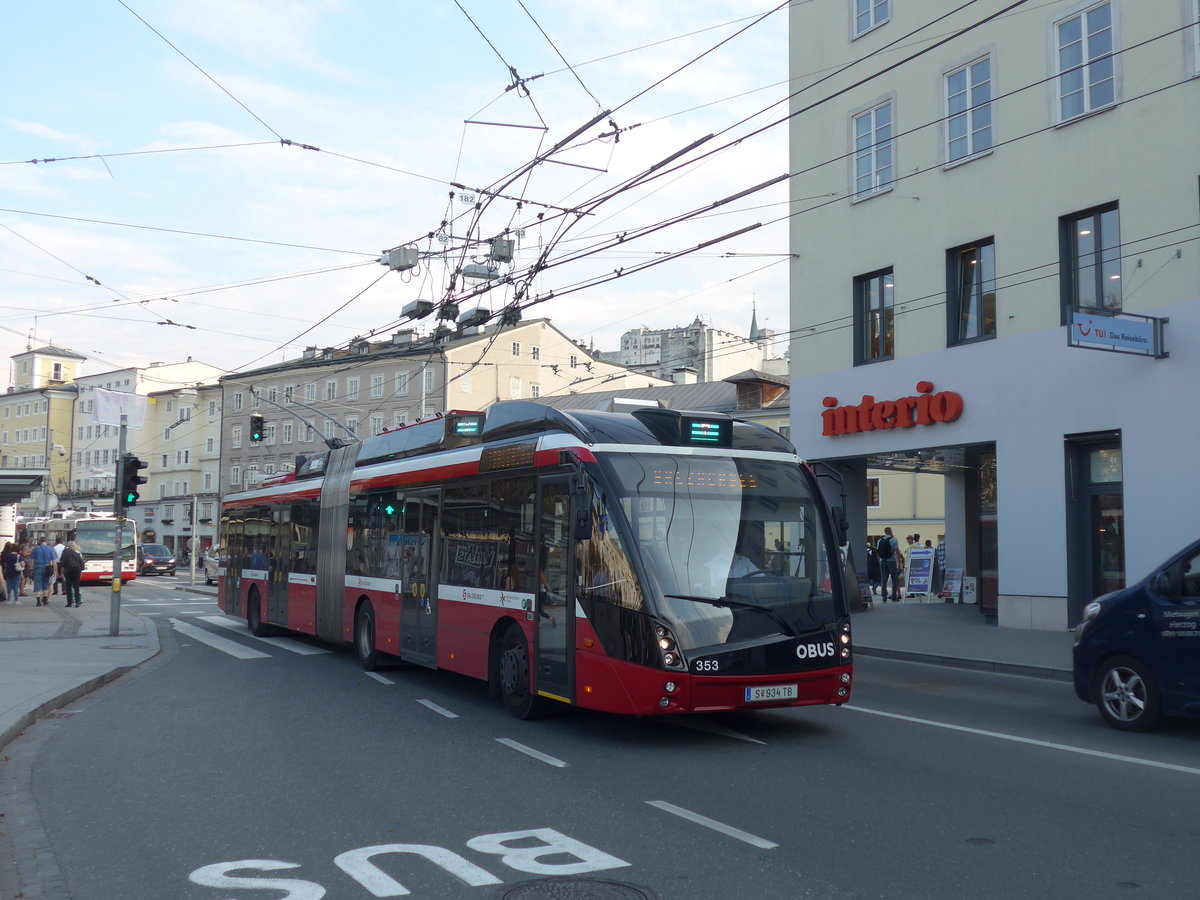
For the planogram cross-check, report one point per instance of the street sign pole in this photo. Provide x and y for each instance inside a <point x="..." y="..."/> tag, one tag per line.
<point x="114" y="615"/>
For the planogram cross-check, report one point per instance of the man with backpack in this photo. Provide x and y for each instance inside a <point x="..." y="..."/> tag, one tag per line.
<point x="887" y="550"/>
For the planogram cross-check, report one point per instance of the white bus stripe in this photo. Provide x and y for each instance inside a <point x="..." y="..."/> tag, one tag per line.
<point x="440" y="710"/>
<point x="282" y="643"/>
<point x="713" y="824"/>
<point x="216" y="642"/>
<point x="1032" y="742"/>
<point x="529" y="751"/>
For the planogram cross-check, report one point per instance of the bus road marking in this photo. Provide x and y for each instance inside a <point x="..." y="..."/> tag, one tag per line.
<point x="169" y="603"/>
<point x="713" y="824"/>
<point x="1032" y="742"/>
<point x="440" y="710"/>
<point x="216" y="642"/>
<point x="282" y="643"/>
<point x="529" y="751"/>
<point x="379" y="678"/>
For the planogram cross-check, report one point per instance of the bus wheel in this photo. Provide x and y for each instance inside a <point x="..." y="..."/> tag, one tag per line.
<point x="254" y="616"/>
<point x="364" y="637"/>
<point x="519" y="699"/>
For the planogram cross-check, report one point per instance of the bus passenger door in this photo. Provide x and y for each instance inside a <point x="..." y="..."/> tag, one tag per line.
<point x="418" y="592"/>
<point x="554" y="655"/>
<point x="277" y="574"/>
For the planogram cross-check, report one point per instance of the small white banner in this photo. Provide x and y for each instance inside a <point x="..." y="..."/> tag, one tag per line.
<point x="109" y="406"/>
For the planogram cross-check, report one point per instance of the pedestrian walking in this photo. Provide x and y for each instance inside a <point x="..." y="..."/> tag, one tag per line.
<point x="26" y="569"/>
<point x="44" y="569"/>
<point x="872" y="568"/>
<point x="70" y="568"/>
<point x="888" y="549"/>
<point x="10" y="562"/>
<point x="58" y="551"/>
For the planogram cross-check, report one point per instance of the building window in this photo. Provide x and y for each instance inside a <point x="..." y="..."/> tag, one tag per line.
<point x="331" y="390"/>
<point x="376" y="385"/>
<point x="269" y="436"/>
<point x="971" y="292"/>
<point x="235" y="437"/>
<point x="969" y="110"/>
<point x="210" y="445"/>
<point x="310" y="391"/>
<point x="873" y="493"/>
<point x="535" y="390"/>
<point x="376" y="424"/>
<point x="401" y="384"/>
<point x="514" y="388"/>
<point x="1086" y="80"/>
<point x="212" y="408"/>
<point x="255" y="400"/>
<point x="207" y="482"/>
<point x="235" y="475"/>
<point x="536" y="352"/>
<point x="574" y="361"/>
<point x="351" y="388"/>
<point x="287" y="432"/>
<point x="516" y="348"/>
<point x="237" y="402"/>
<point x="352" y="425"/>
<point x="287" y="395"/>
<point x="869" y="14"/>
<point x="873" y="162"/>
<point x="308" y="433"/>
<point x="873" y="317"/>
<point x="1090" y="260"/>
<point x="429" y="381"/>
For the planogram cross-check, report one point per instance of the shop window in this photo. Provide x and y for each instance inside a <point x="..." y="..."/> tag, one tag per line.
<point x="971" y="292"/>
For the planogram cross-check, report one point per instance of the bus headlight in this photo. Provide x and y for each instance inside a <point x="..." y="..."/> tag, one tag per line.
<point x="669" y="649"/>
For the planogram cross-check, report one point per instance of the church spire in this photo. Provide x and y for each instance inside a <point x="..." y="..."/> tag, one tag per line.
<point x="754" y="333"/>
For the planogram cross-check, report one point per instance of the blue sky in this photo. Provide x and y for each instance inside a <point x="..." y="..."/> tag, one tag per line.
<point x="384" y="90"/>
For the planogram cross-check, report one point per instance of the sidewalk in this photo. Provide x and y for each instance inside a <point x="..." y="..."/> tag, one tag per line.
<point x="50" y="655"/>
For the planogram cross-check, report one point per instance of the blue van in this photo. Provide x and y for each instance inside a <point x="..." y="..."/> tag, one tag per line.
<point x="1137" y="650"/>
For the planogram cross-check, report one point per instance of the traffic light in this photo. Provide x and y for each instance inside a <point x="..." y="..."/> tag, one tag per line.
<point x="256" y="428"/>
<point x="130" y="479"/>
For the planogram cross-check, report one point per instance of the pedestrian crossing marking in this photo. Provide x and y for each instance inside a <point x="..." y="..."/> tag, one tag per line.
<point x="204" y="636"/>
<point x="282" y="643"/>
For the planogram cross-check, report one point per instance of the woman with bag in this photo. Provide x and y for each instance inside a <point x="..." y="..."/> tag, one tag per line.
<point x="70" y="565"/>
<point x="11" y="563"/>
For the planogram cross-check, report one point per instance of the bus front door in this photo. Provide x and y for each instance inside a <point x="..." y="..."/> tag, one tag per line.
<point x="554" y="653"/>
<point x="418" y="599"/>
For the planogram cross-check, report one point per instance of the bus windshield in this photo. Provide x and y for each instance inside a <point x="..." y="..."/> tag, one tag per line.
<point x="734" y="548"/>
<point x="96" y="539"/>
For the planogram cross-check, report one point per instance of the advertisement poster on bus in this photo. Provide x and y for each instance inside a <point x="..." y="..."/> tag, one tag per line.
<point x="920" y="574"/>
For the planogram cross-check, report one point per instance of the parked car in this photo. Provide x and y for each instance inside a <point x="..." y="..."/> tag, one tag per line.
<point x="212" y="565"/>
<point x="155" y="559"/>
<point x="1137" y="650"/>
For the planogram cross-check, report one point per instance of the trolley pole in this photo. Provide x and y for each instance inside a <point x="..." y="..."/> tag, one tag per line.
<point x="114" y="615"/>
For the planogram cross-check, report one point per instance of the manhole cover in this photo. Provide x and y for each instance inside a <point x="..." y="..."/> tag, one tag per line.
<point x="575" y="889"/>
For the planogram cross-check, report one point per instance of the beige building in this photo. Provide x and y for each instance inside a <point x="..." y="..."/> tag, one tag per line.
<point x="35" y="421"/>
<point x="369" y="387"/>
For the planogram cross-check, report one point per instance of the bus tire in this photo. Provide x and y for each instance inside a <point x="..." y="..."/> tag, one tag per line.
<point x="254" y="615"/>
<point x="364" y="637"/>
<point x="516" y="686"/>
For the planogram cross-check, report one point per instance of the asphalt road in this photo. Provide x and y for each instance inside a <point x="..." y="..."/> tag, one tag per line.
<point x="289" y="772"/>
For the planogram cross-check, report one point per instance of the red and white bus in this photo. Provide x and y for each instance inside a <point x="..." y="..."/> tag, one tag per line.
<point x="97" y="542"/>
<point x="597" y="559"/>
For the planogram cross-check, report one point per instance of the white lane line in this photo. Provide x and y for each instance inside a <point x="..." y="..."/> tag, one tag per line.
<point x="529" y="751"/>
<point x="282" y="643"/>
<point x="216" y="642"/>
<point x="1032" y="742"/>
<point x="713" y="824"/>
<point x="440" y="710"/>
<point x="379" y="678"/>
<point x="175" y="603"/>
<point x="711" y="728"/>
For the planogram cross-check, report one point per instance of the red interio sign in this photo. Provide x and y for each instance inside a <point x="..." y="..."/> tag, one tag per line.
<point x="926" y="408"/>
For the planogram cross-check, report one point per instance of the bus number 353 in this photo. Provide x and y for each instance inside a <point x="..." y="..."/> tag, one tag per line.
<point x="708" y="665"/>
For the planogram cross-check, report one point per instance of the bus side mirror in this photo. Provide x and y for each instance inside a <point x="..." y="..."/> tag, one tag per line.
<point x="581" y="529"/>
<point x="840" y="525"/>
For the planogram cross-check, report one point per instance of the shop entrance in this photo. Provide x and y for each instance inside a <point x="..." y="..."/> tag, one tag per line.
<point x="1095" y="519"/>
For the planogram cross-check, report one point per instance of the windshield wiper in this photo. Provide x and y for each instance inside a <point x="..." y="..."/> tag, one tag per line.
<point x="725" y="602"/>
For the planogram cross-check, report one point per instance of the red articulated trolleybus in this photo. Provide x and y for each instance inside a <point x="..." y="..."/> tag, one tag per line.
<point x="643" y="562"/>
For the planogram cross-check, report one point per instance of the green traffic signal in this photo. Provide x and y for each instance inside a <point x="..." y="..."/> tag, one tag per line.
<point x="257" y="427"/>
<point x="131" y="467"/>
